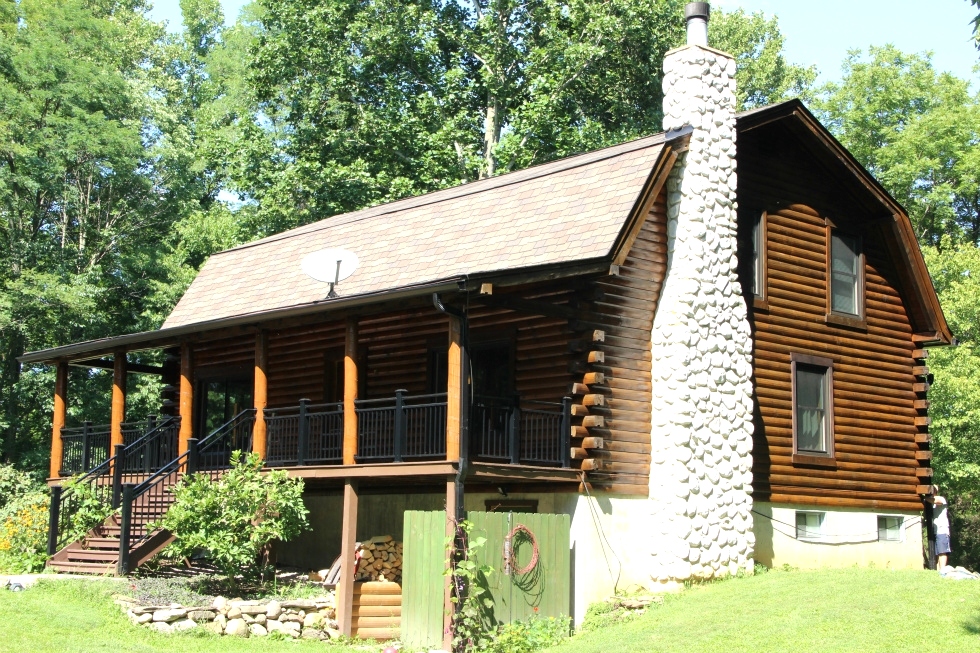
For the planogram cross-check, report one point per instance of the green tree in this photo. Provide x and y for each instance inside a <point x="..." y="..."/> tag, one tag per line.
<point x="372" y="101"/>
<point x="236" y="516"/>
<point x="917" y="131"/>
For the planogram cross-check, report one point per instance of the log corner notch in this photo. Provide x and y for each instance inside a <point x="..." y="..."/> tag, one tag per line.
<point x="58" y="417"/>
<point x="589" y="410"/>
<point x="923" y="455"/>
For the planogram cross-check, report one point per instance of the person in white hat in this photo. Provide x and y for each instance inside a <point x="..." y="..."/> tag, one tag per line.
<point x="940" y="521"/>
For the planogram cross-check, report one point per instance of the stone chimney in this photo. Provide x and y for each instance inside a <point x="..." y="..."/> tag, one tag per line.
<point x="701" y="472"/>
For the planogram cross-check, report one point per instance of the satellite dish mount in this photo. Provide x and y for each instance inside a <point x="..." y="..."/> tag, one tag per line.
<point x="336" y="280"/>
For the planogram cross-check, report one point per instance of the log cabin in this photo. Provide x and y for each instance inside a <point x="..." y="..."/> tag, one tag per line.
<point x="704" y="368"/>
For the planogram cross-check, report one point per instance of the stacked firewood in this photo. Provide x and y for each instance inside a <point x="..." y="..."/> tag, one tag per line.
<point x="380" y="559"/>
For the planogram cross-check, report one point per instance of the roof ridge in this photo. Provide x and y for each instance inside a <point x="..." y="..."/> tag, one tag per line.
<point x="461" y="190"/>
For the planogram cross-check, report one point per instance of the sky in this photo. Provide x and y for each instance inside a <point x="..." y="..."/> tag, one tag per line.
<point x="820" y="33"/>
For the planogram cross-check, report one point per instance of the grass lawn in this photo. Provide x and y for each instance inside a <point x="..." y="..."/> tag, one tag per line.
<point x="799" y="611"/>
<point x="80" y="617"/>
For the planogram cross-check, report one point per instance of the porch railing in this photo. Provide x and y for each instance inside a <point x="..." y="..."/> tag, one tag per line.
<point x="517" y="431"/>
<point x="401" y="428"/>
<point x="84" y="448"/>
<point x="211" y="453"/>
<point x="103" y="482"/>
<point x="308" y="434"/>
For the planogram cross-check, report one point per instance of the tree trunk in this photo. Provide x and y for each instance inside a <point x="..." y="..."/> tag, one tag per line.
<point x="491" y="134"/>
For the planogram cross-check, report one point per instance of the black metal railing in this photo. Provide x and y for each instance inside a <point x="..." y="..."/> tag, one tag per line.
<point x="103" y="483"/>
<point x="143" y="504"/>
<point x="518" y="431"/>
<point x="84" y="448"/>
<point x="308" y="434"/>
<point x="67" y="504"/>
<point x="401" y="428"/>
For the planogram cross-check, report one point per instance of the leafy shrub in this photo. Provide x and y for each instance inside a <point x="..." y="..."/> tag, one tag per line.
<point x="15" y="484"/>
<point x="90" y="507"/>
<point x="236" y="516"/>
<point x="528" y="635"/>
<point x="24" y="533"/>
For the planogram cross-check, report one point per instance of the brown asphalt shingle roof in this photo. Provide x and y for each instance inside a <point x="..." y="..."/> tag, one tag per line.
<point x="565" y="211"/>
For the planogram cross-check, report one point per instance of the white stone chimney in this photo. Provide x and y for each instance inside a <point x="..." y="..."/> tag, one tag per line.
<point x="701" y="471"/>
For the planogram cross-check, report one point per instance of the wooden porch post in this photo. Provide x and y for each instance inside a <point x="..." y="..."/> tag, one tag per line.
<point x="58" y="420"/>
<point x="448" y="609"/>
<point x="186" y="397"/>
<point x="348" y="566"/>
<point x="261" y="392"/>
<point x="118" y="400"/>
<point x="454" y="388"/>
<point x="350" y="392"/>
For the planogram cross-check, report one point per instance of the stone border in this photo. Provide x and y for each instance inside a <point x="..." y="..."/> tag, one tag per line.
<point x="296" y="618"/>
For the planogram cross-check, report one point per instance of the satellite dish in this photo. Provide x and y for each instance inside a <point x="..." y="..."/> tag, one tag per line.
<point x="330" y="265"/>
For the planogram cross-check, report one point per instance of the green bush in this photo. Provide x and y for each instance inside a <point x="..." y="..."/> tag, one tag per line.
<point x="15" y="484"/>
<point x="89" y="505"/>
<point x="528" y="635"/>
<point x="24" y="533"/>
<point x="235" y="517"/>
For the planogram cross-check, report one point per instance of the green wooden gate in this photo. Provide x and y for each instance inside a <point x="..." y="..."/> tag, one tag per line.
<point x="542" y="591"/>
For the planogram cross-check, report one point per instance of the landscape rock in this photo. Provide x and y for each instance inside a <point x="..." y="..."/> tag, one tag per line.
<point x="236" y="628"/>
<point x="273" y="609"/>
<point x="233" y="613"/>
<point x="201" y="615"/>
<point x="313" y="633"/>
<point x="313" y="620"/>
<point x="161" y="627"/>
<point x="214" y="627"/>
<point x="220" y="603"/>
<point x="186" y="624"/>
<point x="299" y="604"/>
<point x="258" y="630"/>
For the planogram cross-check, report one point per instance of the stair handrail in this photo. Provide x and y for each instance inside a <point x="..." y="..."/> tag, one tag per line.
<point x="187" y="461"/>
<point x="57" y="534"/>
<point x="124" y="452"/>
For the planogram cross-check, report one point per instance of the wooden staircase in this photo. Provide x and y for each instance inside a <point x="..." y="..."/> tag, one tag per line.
<point x="98" y="552"/>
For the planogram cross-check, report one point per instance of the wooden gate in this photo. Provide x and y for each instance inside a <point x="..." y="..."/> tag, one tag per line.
<point x="543" y="590"/>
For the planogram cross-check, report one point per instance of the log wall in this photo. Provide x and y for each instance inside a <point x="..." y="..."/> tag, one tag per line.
<point x="875" y="427"/>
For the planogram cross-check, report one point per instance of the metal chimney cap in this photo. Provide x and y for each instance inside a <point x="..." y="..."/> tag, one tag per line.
<point x="697" y="10"/>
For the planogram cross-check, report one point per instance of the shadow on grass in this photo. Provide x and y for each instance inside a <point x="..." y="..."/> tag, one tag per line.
<point x="973" y="626"/>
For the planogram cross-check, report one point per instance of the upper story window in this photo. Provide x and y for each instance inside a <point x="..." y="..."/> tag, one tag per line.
<point x="813" y="409"/>
<point x="758" y="280"/>
<point x="846" y="275"/>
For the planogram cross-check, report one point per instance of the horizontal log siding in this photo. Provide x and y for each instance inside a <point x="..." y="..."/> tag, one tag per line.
<point x="874" y="415"/>
<point x="296" y="360"/>
<point x="625" y="312"/>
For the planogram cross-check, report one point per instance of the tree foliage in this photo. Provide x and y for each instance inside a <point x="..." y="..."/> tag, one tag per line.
<point x="234" y="517"/>
<point x="917" y="131"/>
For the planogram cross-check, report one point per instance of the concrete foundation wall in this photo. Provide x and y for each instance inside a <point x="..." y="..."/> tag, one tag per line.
<point x="847" y="537"/>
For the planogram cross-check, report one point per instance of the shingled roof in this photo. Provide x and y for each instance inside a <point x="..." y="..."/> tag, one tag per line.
<point x="561" y="212"/>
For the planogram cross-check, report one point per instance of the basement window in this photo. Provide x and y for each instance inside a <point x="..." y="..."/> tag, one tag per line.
<point x="889" y="528"/>
<point x="809" y="525"/>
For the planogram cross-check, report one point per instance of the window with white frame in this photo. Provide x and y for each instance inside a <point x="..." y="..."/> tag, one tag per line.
<point x="889" y="528"/>
<point x="809" y="525"/>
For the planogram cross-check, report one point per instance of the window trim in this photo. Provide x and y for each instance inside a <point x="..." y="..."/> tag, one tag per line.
<point x="855" y="320"/>
<point x="812" y="458"/>
<point x="819" y="536"/>
<point x="760" y="271"/>
<point x="901" y="527"/>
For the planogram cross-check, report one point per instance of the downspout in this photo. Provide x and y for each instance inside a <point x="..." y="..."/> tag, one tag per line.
<point x="464" y="400"/>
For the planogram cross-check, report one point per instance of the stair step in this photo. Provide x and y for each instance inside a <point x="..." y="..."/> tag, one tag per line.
<point x="102" y="543"/>
<point x="92" y="555"/>
<point x="97" y="569"/>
